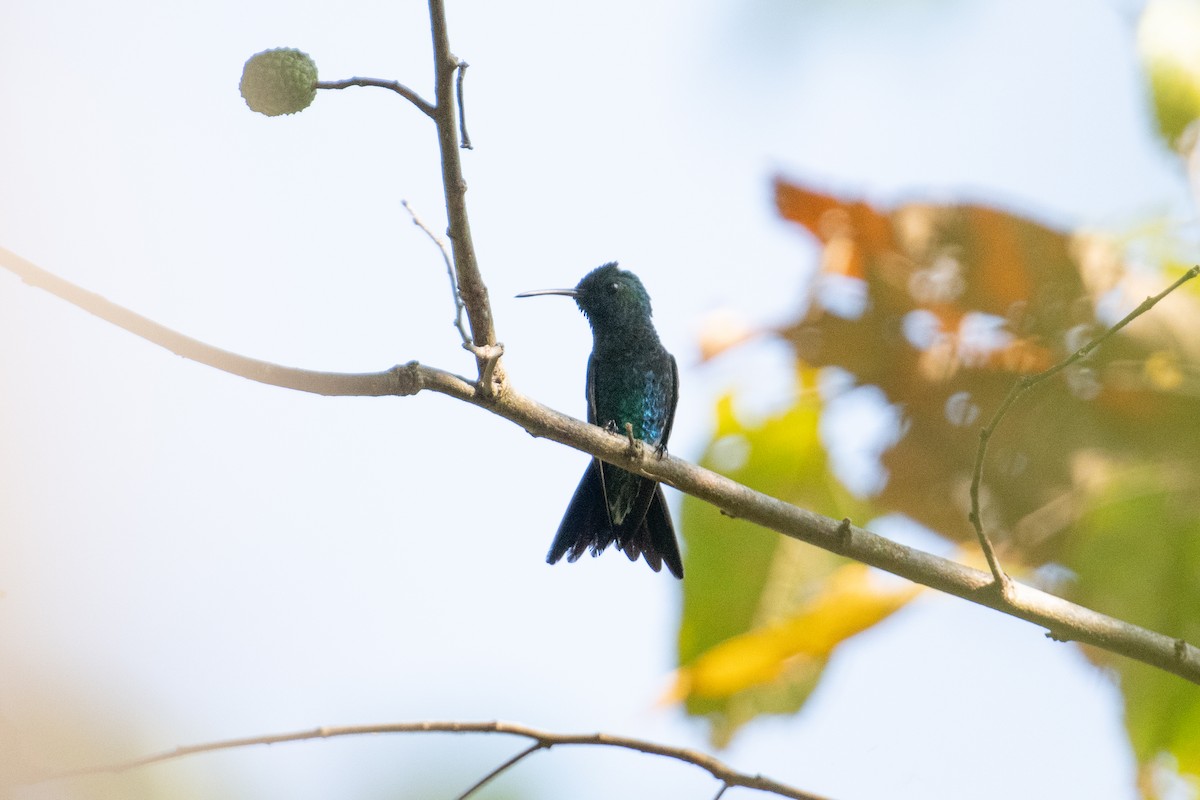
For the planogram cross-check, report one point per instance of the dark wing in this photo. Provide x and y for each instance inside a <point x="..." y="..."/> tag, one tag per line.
<point x="597" y="464"/>
<point x="674" y="402"/>
<point x="591" y="389"/>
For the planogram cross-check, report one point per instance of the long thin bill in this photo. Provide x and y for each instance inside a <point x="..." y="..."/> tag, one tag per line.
<point x="540" y="292"/>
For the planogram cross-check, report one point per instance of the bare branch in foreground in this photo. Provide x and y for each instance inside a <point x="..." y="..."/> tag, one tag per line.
<point x="542" y="740"/>
<point x="1019" y="388"/>
<point x="1064" y="620"/>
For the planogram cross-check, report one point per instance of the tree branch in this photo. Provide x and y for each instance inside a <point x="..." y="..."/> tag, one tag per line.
<point x="470" y="283"/>
<point x="542" y="740"/>
<point x="1064" y="620"/>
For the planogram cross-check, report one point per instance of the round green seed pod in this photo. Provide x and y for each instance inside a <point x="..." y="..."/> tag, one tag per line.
<point x="279" y="81"/>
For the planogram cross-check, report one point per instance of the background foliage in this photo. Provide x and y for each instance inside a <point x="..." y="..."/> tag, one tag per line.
<point x="1090" y="484"/>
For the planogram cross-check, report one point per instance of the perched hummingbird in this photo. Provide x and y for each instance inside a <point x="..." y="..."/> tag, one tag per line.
<point x="631" y="380"/>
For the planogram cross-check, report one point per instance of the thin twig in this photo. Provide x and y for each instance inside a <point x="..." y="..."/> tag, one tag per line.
<point x="486" y="779"/>
<point x="1068" y="621"/>
<point x="459" y="307"/>
<point x="1000" y="579"/>
<point x="721" y="792"/>
<point x="465" y="139"/>
<point x="543" y="740"/>
<point x="1019" y="388"/>
<point x="408" y="94"/>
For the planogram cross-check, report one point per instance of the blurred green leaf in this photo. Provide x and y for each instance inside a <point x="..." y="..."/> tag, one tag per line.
<point x="1169" y="41"/>
<point x="742" y="578"/>
<point x="1136" y="553"/>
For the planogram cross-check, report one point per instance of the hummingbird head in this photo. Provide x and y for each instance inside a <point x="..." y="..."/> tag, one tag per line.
<point x="609" y="297"/>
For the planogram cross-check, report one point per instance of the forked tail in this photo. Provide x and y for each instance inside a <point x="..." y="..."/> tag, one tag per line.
<point x="586" y="526"/>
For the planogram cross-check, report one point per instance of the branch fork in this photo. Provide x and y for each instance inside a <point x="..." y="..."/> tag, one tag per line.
<point x="541" y="740"/>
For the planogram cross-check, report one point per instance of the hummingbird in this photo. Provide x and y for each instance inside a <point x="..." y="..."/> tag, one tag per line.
<point x="632" y="387"/>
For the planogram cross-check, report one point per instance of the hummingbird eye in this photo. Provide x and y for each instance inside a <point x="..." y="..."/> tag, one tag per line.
<point x="613" y="288"/>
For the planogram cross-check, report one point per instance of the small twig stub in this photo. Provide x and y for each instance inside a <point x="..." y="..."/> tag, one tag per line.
<point x="464" y="137"/>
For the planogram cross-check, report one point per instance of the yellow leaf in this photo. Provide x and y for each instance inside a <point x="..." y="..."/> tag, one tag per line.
<point x="849" y="602"/>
